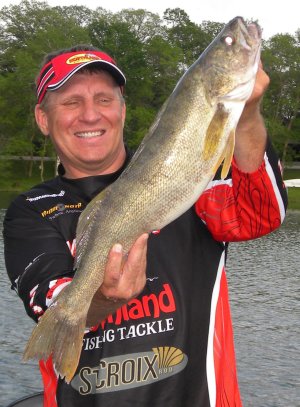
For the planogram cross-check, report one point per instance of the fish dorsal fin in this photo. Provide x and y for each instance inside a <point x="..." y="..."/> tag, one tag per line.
<point x="228" y="153"/>
<point x="215" y="131"/>
<point x="85" y="223"/>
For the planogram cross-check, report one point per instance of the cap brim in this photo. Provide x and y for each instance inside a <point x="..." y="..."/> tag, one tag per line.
<point x="107" y="66"/>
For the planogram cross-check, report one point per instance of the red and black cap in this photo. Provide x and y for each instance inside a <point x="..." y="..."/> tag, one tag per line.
<point x="62" y="67"/>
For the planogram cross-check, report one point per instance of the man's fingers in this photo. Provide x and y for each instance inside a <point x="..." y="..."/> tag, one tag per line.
<point x="113" y="265"/>
<point x="126" y="275"/>
<point x="134" y="272"/>
<point x="137" y="253"/>
<point x="261" y="84"/>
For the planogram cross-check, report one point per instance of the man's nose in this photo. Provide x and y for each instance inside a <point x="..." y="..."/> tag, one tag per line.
<point x="90" y="111"/>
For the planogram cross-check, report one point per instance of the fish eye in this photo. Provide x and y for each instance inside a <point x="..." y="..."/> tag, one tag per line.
<point x="228" y="40"/>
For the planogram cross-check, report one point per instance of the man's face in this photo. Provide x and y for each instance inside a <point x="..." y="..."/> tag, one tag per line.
<point x="85" y="120"/>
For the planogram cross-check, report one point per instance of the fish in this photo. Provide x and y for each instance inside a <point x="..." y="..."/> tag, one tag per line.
<point x="191" y="137"/>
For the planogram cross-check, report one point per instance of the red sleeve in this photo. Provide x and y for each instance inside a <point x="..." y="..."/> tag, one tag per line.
<point x="246" y="206"/>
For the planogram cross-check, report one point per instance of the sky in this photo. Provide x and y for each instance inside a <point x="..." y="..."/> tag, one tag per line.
<point x="274" y="17"/>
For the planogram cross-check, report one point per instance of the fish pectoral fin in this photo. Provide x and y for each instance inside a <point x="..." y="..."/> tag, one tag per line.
<point x="228" y="154"/>
<point x="215" y="131"/>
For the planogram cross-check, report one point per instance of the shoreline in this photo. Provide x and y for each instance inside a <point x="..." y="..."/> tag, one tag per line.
<point x="293" y="197"/>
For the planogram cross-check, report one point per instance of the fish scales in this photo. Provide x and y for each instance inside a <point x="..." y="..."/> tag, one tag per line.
<point x="156" y="182"/>
<point x="192" y="134"/>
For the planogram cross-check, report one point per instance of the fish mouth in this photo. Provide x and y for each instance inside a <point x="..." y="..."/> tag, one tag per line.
<point x="255" y="30"/>
<point x="90" y="133"/>
<point x="250" y="39"/>
<point x="251" y="33"/>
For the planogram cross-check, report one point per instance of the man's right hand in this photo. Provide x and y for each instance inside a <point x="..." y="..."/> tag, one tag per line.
<point x="124" y="279"/>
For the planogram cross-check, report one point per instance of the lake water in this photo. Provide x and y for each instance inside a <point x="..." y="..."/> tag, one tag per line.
<point x="263" y="280"/>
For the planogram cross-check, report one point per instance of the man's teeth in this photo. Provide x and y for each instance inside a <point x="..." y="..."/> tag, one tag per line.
<point x="88" y="134"/>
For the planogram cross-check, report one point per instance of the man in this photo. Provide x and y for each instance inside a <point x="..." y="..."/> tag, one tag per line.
<point x="169" y="341"/>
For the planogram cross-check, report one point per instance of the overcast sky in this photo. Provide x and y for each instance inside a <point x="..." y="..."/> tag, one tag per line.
<point x="274" y="16"/>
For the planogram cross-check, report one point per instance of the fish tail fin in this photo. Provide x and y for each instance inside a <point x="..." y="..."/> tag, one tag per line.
<point x="60" y="335"/>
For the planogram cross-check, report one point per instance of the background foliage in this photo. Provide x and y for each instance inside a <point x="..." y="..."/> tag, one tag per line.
<point x="153" y="52"/>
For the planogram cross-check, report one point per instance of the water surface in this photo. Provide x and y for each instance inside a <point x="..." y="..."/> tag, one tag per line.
<point x="263" y="280"/>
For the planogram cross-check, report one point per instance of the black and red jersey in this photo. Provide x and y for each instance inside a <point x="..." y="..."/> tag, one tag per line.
<point x="171" y="346"/>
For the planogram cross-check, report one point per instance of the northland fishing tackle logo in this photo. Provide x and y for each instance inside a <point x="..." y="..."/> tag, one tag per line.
<point x="153" y="305"/>
<point x="130" y="371"/>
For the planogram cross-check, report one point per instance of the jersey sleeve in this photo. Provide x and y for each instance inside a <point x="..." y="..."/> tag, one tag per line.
<point x="246" y="205"/>
<point x="38" y="260"/>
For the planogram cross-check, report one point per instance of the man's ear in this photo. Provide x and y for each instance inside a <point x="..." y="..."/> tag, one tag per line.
<point x="41" y="119"/>
<point x="123" y="113"/>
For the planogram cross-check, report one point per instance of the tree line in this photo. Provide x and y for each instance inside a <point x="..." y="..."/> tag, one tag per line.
<point x="153" y="52"/>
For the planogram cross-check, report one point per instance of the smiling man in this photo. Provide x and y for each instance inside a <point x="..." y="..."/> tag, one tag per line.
<point x="85" y="117"/>
<point x="168" y="340"/>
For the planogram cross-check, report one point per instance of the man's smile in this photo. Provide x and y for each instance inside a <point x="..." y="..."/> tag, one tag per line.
<point x="90" y="134"/>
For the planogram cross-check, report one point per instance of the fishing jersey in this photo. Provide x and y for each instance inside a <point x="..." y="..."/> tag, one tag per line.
<point x="172" y="345"/>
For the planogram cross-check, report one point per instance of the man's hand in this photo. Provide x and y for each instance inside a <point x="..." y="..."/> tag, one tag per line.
<point x="124" y="279"/>
<point x="251" y="134"/>
<point x="260" y="86"/>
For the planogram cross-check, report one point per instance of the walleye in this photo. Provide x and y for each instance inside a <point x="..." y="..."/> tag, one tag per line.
<point x="190" y="138"/>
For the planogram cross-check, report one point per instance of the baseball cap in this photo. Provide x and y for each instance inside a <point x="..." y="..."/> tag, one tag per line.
<point x="61" y="68"/>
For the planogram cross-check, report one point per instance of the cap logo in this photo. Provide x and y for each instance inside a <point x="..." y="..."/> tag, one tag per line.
<point x="82" y="58"/>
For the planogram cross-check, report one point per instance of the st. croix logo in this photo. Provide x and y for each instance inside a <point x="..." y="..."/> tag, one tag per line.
<point x="130" y="371"/>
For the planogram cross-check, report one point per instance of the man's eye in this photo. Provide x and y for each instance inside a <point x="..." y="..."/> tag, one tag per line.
<point x="71" y="103"/>
<point x="104" y="101"/>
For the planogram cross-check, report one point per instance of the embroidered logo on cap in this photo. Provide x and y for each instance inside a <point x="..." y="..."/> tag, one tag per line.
<point x="82" y="58"/>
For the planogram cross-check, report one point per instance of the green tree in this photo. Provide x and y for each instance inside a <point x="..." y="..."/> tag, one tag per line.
<point x="211" y="29"/>
<point x="142" y="23"/>
<point x="153" y="53"/>
<point x="28" y="34"/>
<point x="116" y="38"/>
<point x="281" y="56"/>
<point x="185" y="34"/>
